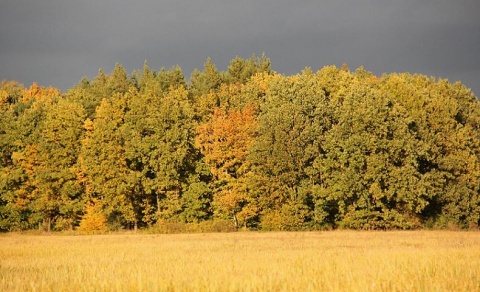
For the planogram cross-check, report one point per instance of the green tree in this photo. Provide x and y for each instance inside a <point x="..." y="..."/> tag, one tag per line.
<point x="58" y="191"/>
<point x="203" y="82"/>
<point x="369" y="176"/>
<point x="171" y="79"/>
<point x="159" y="147"/>
<point x="240" y="70"/>
<point x="291" y="124"/>
<point x="104" y="168"/>
<point x="10" y="94"/>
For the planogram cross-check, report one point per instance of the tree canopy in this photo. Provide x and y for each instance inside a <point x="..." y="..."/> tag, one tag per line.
<point x="246" y="146"/>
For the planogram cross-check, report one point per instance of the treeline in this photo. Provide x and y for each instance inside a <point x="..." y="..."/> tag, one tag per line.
<point x="246" y="146"/>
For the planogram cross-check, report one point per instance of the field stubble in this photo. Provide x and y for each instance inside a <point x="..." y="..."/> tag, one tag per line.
<point x="244" y="261"/>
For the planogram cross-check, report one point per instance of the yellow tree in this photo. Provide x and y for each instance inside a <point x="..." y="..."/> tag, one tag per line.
<point x="225" y="141"/>
<point x="24" y="175"/>
<point x="94" y="219"/>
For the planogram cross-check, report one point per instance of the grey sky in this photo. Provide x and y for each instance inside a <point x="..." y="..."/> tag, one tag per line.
<point x="57" y="42"/>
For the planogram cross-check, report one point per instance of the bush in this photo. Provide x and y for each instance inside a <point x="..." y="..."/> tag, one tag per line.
<point x="376" y="220"/>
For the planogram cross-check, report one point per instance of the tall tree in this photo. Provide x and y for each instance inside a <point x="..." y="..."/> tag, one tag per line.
<point x="20" y="177"/>
<point x="291" y="124"/>
<point x="225" y="141"/>
<point x="104" y="167"/>
<point x="58" y="192"/>
<point x="158" y="134"/>
<point x="10" y="94"/>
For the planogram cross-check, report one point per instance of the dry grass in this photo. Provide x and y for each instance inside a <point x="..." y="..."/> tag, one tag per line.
<point x="249" y="261"/>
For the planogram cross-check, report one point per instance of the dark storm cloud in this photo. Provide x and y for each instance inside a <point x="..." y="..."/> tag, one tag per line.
<point x="56" y="42"/>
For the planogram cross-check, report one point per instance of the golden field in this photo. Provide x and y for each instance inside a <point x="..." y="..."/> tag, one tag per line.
<point x="243" y="261"/>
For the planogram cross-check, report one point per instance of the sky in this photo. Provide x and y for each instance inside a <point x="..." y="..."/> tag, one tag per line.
<point x="57" y="42"/>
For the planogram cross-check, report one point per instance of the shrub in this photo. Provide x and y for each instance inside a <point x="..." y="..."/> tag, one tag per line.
<point x="376" y="220"/>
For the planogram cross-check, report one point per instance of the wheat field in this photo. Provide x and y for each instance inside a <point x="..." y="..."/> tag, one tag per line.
<point x="243" y="261"/>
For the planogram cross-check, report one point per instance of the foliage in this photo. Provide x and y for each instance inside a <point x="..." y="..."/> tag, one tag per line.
<point x="244" y="147"/>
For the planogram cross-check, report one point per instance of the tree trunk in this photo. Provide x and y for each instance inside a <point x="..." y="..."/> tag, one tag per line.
<point x="235" y="220"/>
<point x="49" y="224"/>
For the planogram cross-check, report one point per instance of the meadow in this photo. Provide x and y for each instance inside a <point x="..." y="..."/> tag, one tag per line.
<point x="243" y="261"/>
